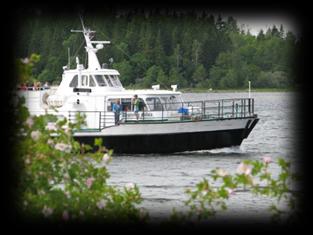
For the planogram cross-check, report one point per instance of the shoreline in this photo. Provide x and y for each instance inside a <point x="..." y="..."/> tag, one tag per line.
<point x="237" y="90"/>
<point x="205" y="90"/>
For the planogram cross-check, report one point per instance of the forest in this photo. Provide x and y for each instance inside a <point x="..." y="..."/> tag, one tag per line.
<point x="193" y="49"/>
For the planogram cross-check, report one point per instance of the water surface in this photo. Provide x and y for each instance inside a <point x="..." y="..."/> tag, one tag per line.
<point x="162" y="179"/>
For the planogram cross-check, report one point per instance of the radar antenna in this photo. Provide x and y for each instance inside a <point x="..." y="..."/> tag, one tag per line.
<point x="93" y="62"/>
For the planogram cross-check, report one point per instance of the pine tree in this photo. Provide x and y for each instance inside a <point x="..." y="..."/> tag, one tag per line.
<point x="162" y="79"/>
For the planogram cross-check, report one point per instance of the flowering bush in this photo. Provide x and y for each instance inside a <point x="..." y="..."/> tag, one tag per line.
<point x="25" y="67"/>
<point x="210" y="195"/>
<point x="62" y="179"/>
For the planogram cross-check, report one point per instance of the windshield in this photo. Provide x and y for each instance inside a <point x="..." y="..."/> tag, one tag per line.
<point x="100" y="80"/>
<point x="109" y="80"/>
<point x="115" y="80"/>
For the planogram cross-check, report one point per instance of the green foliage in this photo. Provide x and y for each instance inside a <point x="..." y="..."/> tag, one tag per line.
<point x="126" y="71"/>
<point x="162" y="79"/>
<point x="199" y="75"/>
<point x="210" y="195"/>
<point x="62" y="179"/>
<point x="25" y="68"/>
<point x="194" y="49"/>
<point x="151" y="76"/>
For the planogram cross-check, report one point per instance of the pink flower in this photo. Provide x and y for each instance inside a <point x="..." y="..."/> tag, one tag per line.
<point x="25" y="60"/>
<point x="230" y="191"/>
<point x="221" y="172"/>
<point x="66" y="128"/>
<point x="67" y="194"/>
<point x="47" y="211"/>
<point x="267" y="159"/>
<point x="35" y="135"/>
<point x="101" y="204"/>
<point x="130" y="186"/>
<point x="89" y="182"/>
<point x="106" y="158"/>
<point x="29" y="122"/>
<point x="63" y="147"/>
<point x="65" y="215"/>
<point x="51" y="126"/>
<point x="244" y="169"/>
<point x="204" y="192"/>
<point x="50" y="142"/>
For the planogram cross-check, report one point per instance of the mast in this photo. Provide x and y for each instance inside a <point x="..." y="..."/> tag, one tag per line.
<point x="68" y="58"/>
<point x="93" y="62"/>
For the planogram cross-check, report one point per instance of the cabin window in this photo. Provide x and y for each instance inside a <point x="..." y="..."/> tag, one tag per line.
<point x="154" y="103"/>
<point x="74" y="82"/>
<point x="126" y="104"/>
<point x="100" y="80"/>
<point x="171" y="102"/>
<point x="109" y="80"/>
<point x="110" y="103"/>
<point x="91" y="82"/>
<point x="115" y="80"/>
<point x="84" y="80"/>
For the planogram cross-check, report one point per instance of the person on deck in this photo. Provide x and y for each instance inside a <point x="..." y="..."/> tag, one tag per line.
<point x="136" y="106"/>
<point x="116" y="108"/>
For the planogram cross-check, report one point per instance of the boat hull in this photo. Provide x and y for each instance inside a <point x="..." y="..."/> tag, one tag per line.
<point x="170" y="141"/>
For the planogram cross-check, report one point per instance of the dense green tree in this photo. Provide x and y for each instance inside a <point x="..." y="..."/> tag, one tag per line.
<point x="162" y="79"/>
<point x="151" y="76"/>
<point x="126" y="72"/>
<point x="199" y="75"/>
<point x="188" y="48"/>
<point x="175" y="77"/>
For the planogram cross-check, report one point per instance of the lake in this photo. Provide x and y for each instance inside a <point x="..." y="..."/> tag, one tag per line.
<point x="163" y="179"/>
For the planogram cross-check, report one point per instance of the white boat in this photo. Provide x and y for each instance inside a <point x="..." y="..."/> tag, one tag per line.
<point x="166" y="122"/>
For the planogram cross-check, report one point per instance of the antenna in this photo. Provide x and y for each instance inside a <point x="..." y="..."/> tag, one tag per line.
<point x="91" y="48"/>
<point x="81" y="20"/>
<point x="84" y="29"/>
<point x="69" y="58"/>
<point x="249" y="89"/>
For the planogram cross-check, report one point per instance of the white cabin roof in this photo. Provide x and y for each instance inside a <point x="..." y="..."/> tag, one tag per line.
<point x="108" y="85"/>
<point x="94" y="72"/>
<point x="147" y="92"/>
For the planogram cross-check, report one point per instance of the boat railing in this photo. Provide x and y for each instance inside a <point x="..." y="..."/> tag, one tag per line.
<point x="171" y="112"/>
<point x="196" y="110"/>
<point x="95" y="120"/>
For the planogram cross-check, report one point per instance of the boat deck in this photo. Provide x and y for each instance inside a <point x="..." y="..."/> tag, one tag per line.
<point x="194" y="111"/>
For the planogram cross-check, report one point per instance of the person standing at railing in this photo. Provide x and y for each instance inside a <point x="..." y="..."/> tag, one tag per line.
<point x="116" y="108"/>
<point x="135" y="102"/>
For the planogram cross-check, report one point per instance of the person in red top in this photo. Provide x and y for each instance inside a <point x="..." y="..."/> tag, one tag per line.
<point x="23" y="87"/>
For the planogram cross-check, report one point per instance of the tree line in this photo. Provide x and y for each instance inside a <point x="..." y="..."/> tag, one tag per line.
<point x="194" y="49"/>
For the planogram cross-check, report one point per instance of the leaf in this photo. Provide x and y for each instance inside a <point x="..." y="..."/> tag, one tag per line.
<point x="98" y="142"/>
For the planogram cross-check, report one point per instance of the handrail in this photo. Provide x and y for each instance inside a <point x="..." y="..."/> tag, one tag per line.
<point x="105" y="119"/>
<point x="180" y="112"/>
